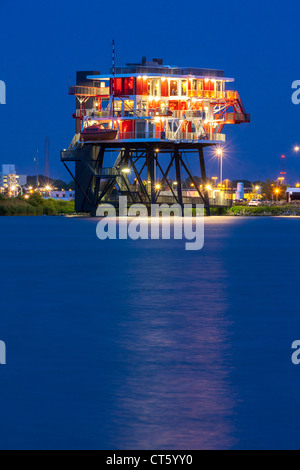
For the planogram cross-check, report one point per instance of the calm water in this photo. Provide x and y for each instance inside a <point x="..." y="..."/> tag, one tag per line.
<point x="143" y="345"/>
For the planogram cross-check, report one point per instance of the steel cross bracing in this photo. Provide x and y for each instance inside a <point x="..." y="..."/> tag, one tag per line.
<point x="101" y="184"/>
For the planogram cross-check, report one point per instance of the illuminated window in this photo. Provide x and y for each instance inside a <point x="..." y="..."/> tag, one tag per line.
<point x="154" y="87"/>
<point x="200" y="85"/>
<point x="194" y="85"/>
<point x="174" y="87"/>
<point x="219" y="86"/>
<point x="184" y="87"/>
<point x="118" y="107"/>
<point x="128" y="107"/>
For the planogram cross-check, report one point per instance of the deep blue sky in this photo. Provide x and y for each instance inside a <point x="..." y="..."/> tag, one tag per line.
<point x="255" y="42"/>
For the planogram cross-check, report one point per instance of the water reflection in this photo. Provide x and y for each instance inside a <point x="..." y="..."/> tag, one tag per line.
<point x="175" y="391"/>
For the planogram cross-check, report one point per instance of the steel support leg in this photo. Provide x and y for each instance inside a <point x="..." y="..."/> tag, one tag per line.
<point x="151" y="174"/>
<point x="204" y="179"/>
<point x="98" y="169"/>
<point x="177" y="158"/>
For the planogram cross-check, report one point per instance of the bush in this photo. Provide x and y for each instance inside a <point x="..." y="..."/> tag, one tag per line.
<point x="260" y="210"/>
<point x="36" y="199"/>
<point x="35" y="205"/>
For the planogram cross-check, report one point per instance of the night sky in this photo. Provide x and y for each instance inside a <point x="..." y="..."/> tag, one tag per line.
<point x="256" y="42"/>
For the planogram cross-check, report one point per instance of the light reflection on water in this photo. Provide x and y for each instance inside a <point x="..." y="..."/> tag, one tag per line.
<point x="176" y="392"/>
<point x="141" y="344"/>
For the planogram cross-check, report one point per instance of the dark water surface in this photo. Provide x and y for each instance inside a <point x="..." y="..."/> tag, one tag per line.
<point x="143" y="345"/>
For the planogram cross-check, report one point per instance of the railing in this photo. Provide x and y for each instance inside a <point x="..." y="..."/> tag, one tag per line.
<point x="152" y="113"/>
<point x="194" y="136"/>
<point x="88" y="91"/>
<point x="110" y="172"/>
<point x="65" y="154"/>
<point x="173" y="136"/>
<point x="74" y="141"/>
<point x="220" y="202"/>
<point x="95" y="113"/>
<point x="191" y="113"/>
<point x="236" y="118"/>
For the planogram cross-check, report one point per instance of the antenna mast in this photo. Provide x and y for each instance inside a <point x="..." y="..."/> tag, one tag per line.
<point x="47" y="160"/>
<point x="37" y="169"/>
<point x="113" y="83"/>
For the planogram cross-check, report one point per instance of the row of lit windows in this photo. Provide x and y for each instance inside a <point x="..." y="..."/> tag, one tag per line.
<point x="165" y="87"/>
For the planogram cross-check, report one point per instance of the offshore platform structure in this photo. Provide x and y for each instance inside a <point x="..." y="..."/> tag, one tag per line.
<point x="138" y="126"/>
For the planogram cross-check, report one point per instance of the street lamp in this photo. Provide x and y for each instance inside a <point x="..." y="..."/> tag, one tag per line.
<point x="219" y="153"/>
<point x="215" y="179"/>
<point x="48" y="190"/>
<point x="226" y="181"/>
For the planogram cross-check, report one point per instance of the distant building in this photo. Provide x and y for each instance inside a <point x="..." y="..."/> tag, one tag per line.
<point x="8" y="169"/>
<point x="240" y="193"/>
<point x="9" y="178"/>
<point x="63" y="195"/>
<point x="293" y="194"/>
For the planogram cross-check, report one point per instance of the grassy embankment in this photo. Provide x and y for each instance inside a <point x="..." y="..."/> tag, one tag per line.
<point x="286" y="210"/>
<point x="35" y="205"/>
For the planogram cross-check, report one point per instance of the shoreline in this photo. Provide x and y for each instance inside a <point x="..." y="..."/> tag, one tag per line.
<point x="40" y="207"/>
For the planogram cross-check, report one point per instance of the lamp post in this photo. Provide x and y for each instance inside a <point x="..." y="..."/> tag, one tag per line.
<point x="215" y="178"/>
<point x="48" y="190"/>
<point x="220" y="154"/>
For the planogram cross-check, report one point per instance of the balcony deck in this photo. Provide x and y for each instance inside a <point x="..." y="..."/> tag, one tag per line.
<point x="141" y="139"/>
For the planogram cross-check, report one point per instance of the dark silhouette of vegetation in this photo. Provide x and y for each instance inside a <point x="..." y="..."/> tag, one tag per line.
<point x="35" y="205"/>
<point x="44" y="181"/>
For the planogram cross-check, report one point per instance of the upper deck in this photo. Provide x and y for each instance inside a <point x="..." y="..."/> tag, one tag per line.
<point x="150" y="101"/>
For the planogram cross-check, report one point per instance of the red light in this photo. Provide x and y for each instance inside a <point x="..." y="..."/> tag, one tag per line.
<point x="282" y="156"/>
